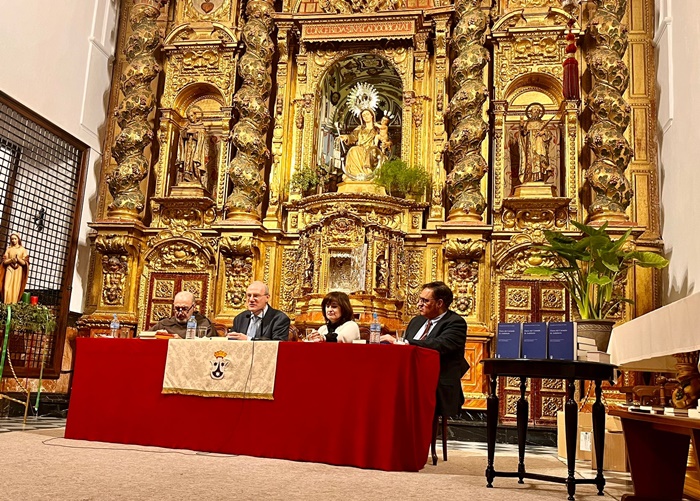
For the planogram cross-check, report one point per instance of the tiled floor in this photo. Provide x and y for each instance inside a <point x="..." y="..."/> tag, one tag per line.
<point x="583" y="468"/>
<point x="33" y="423"/>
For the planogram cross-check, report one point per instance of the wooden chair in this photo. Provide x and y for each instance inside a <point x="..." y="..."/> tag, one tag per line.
<point x="293" y="333"/>
<point x="433" y="442"/>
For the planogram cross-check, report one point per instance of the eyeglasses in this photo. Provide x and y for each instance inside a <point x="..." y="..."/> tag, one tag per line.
<point x="422" y="300"/>
<point x="183" y="308"/>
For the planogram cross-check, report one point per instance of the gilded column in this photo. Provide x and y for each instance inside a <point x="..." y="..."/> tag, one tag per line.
<point x="437" y="207"/>
<point x="277" y="176"/>
<point x="251" y="102"/>
<point x="133" y="112"/>
<point x="612" y="192"/>
<point x="466" y="113"/>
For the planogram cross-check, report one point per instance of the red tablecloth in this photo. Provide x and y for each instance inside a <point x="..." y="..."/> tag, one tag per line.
<point x="369" y="406"/>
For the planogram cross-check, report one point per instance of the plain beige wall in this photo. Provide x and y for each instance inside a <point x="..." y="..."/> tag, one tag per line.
<point x="56" y="57"/>
<point x="677" y="40"/>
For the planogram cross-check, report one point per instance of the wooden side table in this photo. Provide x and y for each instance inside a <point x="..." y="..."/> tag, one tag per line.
<point x="571" y="371"/>
<point x="657" y="447"/>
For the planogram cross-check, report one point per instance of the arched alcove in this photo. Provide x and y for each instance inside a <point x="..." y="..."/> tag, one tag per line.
<point x="335" y="112"/>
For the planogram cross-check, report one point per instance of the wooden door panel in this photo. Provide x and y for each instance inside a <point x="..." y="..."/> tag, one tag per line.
<point x="532" y="301"/>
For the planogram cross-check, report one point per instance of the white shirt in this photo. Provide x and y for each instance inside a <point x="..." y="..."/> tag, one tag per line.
<point x="347" y="332"/>
<point x="255" y="323"/>
<point x="433" y="321"/>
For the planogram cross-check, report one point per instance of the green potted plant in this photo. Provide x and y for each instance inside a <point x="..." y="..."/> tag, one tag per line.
<point x="305" y="180"/>
<point x="400" y="180"/>
<point x="589" y="266"/>
<point x="29" y="318"/>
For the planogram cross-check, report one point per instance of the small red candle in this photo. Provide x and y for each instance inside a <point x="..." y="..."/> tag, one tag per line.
<point x="34" y="300"/>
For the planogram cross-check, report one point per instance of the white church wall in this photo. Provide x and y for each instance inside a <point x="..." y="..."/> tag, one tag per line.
<point x="677" y="40"/>
<point x="57" y="57"/>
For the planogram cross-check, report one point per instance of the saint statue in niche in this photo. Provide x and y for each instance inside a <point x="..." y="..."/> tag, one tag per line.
<point x="364" y="155"/>
<point x="382" y="273"/>
<point x="15" y="270"/>
<point x="534" y="139"/>
<point x="191" y="152"/>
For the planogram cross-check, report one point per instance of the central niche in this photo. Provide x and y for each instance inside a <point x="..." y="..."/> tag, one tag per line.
<point x="360" y="117"/>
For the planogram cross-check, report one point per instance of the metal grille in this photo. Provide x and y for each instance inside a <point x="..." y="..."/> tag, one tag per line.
<point x="39" y="193"/>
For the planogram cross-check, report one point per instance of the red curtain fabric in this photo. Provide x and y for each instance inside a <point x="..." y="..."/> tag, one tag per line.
<point x="369" y="406"/>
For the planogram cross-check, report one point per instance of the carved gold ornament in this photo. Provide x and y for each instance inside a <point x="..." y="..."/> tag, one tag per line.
<point x="612" y="192"/>
<point x="249" y="135"/>
<point x="132" y="115"/>
<point x="465" y="111"/>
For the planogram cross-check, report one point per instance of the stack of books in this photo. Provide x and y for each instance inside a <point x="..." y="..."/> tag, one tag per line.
<point x="598" y="356"/>
<point x="585" y="345"/>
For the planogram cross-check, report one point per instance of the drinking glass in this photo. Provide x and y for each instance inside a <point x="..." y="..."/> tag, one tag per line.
<point x="125" y="332"/>
<point x="401" y="336"/>
<point x="201" y="332"/>
<point x="307" y="335"/>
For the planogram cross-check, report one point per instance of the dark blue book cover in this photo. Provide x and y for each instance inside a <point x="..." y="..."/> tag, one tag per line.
<point x="508" y="340"/>
<point x="561" y="341"/>
<point x="535" y="340"/>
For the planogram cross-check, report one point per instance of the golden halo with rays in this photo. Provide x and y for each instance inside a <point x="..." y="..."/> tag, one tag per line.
<point x="363" y="96"/>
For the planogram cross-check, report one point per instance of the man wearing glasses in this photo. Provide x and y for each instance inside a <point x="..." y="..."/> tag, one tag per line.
<point x="440" y="329"/>
<point x="261" y="321"/>
<point x="184" y="306"/>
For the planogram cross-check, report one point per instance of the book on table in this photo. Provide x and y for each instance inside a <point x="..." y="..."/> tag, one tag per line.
<point x="598" y="356"/>
<point x="534" y="344"/>
<point x="508" y="340"/>
<point x="674" y="411"/>
<point x="560" y="340"/>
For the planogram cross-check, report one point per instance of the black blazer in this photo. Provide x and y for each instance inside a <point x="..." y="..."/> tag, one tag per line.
<point x="448" y="337"/>
<point x="275" y="325"/>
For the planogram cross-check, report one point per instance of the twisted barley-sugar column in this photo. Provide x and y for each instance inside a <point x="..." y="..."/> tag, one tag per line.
<point x="611" y="190"/>
<point x="251" y="102"/>
<point x="132" y="114"/>
<point x="465" y="111"/>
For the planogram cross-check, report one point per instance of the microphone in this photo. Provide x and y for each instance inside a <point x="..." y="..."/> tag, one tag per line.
<point x="249" y="315"/>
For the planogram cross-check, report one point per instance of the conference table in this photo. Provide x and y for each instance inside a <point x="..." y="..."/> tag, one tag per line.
<point x="369" y="406"/>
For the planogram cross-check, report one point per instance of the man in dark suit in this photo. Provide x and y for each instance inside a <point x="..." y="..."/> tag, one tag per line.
<point x="261" y="321"/>
<point x="440" y="329"/>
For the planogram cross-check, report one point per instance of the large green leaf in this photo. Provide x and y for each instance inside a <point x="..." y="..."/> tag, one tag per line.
<point x="647" y="259"/>
<point x="594" y="278"/>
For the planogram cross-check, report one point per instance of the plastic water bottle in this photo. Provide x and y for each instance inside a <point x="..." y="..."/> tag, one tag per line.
<point x="191" y="331"/>
<point x="375" y="330"/>
<point x="114" y="326"/>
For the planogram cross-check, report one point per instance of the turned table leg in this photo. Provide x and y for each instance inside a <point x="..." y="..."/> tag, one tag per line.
<point x="523" y="413"/>
<point x="491" y="429"/>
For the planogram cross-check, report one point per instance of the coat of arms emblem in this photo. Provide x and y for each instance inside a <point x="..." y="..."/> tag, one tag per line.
<point x="219" y="364"/>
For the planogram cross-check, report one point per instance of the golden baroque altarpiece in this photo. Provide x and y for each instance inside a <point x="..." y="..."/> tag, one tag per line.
<point x="217" y="103"/>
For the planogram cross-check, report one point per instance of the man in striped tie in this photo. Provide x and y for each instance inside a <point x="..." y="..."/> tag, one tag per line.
<point x="439" y="328"/>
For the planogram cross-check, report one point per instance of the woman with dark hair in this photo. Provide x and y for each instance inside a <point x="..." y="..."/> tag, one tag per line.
<point x="340" y="327"/>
